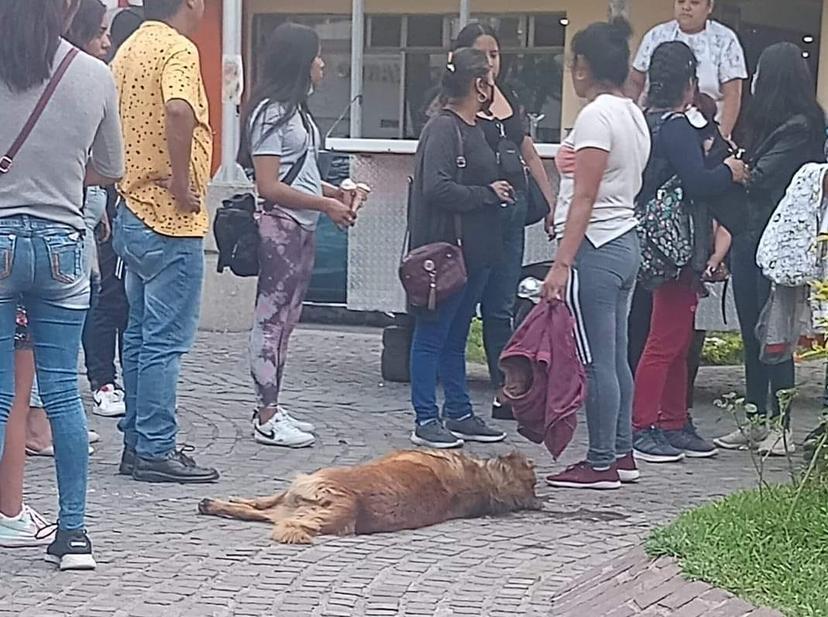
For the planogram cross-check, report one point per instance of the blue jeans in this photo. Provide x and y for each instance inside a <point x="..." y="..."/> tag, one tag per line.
<point x="497" y="306"/>
<point x="438" y="351"/>
<point x="43" y="263"/>
<point x="163" y="288"/>
<point x="606" y="280"/>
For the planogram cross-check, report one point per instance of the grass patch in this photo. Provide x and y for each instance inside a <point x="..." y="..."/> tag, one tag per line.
<point x="745" y="544"/>
<point x="475" y="352"/>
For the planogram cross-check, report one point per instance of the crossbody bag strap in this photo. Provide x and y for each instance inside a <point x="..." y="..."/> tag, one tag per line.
<point x="8" y="159"/>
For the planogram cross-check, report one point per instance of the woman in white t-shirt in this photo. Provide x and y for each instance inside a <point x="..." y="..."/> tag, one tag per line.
<point x="601" y="164"/>
<point x="722" y="66"/>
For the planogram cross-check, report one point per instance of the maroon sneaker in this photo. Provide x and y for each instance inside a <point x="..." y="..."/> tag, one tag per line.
<point x="583" y="475"/>
<point x="627" y="469"/>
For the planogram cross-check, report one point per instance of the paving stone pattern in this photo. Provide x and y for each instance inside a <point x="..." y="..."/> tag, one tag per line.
<point x="157" y="557"/>
<point x="633" y="585"/>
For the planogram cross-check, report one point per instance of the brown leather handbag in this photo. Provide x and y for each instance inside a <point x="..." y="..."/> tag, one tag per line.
<point x="432" y="273"/>
<point x="436" y="271"/>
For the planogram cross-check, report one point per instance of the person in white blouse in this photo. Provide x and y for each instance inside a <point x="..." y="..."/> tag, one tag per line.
<point x="722" y="66"/>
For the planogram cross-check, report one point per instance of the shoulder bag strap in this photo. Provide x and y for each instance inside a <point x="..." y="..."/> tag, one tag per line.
<point x="461" y="172"/>
<point x="7" y="160"/>
<point x="296" y="168"/>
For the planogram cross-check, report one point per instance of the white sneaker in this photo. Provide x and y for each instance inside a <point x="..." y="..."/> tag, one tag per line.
<point x="26" y="529"/>
<point x="93" y="437"/>
<point x="305" y="427"/>
<point x="778" y="443"/>
<point x="109" y="402"/>
<point x="278" y="431"/>
<point x="743" y="438"/>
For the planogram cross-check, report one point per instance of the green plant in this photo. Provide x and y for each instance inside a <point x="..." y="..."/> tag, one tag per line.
<point x="722" y="349"/>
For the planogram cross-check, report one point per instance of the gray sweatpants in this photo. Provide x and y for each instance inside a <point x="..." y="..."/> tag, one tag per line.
<point x="605" y="282"/>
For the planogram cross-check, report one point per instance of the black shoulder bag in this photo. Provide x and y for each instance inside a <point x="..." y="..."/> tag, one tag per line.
<point x="236" y="229"/>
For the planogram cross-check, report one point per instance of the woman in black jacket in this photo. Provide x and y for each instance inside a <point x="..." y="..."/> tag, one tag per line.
<point x="506" y="128"/>
<point x="785" y="128"/>
<point x="456" y="196"/>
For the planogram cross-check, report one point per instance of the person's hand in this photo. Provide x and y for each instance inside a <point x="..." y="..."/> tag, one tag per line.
<point x="715" y="270"/>
<point x="554" y="286"/>
<point x="187" y="199"/>
<point x="504" y="191"/>
<point x="104" y="229"/>
<point x="738" y="170"/>
<point x="339" y="213"/>
<point x="549" y="224"/>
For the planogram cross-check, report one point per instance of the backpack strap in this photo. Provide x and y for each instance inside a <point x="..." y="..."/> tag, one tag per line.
<point x="8" y="159"/>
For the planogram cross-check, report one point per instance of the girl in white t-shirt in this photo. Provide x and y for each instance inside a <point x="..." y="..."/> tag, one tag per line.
<point x="601" y="165"/>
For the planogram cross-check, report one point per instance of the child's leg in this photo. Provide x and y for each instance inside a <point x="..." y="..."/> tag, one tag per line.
<point x="14" y="453"/>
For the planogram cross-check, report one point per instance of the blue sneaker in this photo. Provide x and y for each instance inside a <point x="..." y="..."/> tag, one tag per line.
<point x="651" y="445"/>
<point x="690" y="442"/>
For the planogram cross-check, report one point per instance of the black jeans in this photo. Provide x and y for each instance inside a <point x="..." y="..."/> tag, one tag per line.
<point x="105" y="324"/>
<point x="752" y="290"/>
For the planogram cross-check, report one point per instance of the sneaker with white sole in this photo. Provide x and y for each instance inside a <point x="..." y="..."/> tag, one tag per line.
<point x="779" y="442"/>
<point x="109" y="401"/>
<point x="278" y="431"/>
<point x="743" y="438"/>
<point x="71" y="550"/>
<point x="305" y="427"/>
<point x="434" y="435"/>
<point x="26" y="529"/>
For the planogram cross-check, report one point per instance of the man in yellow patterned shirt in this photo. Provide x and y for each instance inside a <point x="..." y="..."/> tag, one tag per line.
<point x="159" y="230"/>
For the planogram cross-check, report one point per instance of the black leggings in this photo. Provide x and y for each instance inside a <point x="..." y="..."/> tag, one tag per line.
<point x="752" y="291"/>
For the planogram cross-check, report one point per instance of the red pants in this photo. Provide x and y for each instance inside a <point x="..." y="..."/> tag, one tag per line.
<point x="661" y="378"/>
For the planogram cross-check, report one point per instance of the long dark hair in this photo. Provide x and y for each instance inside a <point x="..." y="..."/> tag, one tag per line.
<point x="30" y="32"/>
<point x="473" y="31"/>
<point x="87" y="23"/>
<point x="784" y="89"/>
<point x="284" y="77"/>
<point x="606" y="47"/>
<point x="672" y="67"/>
<point x="464" y="67"/>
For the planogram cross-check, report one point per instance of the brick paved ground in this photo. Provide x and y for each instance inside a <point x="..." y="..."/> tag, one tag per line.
<point x="157" y="557"/>
<point x="633" y="585"/>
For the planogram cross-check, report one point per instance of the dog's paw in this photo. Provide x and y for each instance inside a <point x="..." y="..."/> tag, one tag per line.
<point x="205" y="506"/>
<point x="291" y="534"/>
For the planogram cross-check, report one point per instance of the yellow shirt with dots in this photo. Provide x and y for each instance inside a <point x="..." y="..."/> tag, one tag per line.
<point x="154" y="66"/>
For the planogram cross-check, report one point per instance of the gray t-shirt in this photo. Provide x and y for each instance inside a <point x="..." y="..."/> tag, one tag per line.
<point x="46" y="179"/>
<point x="289" y="142"/>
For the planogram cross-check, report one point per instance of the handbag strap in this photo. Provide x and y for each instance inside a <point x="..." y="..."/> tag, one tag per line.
<point x="8" y="159"/>
<point x="460" y="162"/>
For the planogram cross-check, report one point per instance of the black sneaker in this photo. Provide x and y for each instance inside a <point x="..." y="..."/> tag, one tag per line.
<point x="502" y="411"/>
<point x="690" y="442"/>
<point x="434" y="435"/>
<point x="176" y="467"/>
<point x="652" y="446"/>
<point x="127" y="465"/>
<point x="474" y="429"/>
<point x="71" y="550"/>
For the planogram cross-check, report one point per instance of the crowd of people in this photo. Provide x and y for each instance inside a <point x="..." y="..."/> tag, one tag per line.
<point x="662" y="133"/>
<point x="103" y="219"/>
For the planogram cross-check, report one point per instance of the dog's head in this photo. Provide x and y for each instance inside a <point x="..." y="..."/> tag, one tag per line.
<point x="514" y="479"/>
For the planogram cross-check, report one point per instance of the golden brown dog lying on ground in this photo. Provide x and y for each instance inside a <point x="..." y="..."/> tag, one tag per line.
<point x="404" y="490"/>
